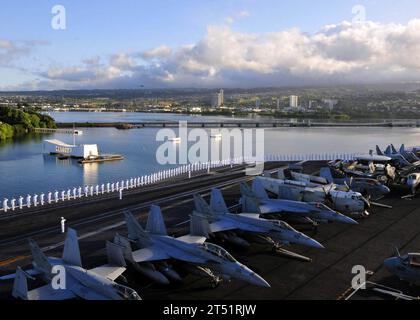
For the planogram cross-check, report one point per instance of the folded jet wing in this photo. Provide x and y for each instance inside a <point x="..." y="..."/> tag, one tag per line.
<point x="116" y="264"/>
<point x="222" y="225"/>
<point x="192" y="239"/>
<point x="267" y="207"/>
<point x="108" y="271"/>
<point x="150" y="254"/>
<point x="156" y="243"/>
<point x="46" y="292"/>
<point x="90" y="284"/>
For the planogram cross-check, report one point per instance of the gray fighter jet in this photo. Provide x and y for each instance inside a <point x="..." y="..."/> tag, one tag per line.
<point x="257" y="201"/>
<point x="406" y="268"/>
<point x="156" y="246"/>
<point x="227" y="225"/>
<point x="76" y="282"/>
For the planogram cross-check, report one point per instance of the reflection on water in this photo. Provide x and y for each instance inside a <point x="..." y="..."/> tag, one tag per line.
<point x="89" y="170"/>
<point x="51" y="160"/>
<point x="24" y="169"/>
<point x="90" y="173"/>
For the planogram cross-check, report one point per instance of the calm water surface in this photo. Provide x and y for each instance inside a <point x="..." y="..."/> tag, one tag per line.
<point x="24" y="169"/>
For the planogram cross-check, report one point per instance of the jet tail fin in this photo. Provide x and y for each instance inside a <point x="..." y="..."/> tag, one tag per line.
<point x="199" y="226"/>
<point x="20" y="285"/>
<point x="201" y="205"/>
<point x="326" y="173"/>
<point x="135" y="230"/>
<point x="402" y="149"/>
<point x="379" y="151"/>
<point x="40" y="261"/>
<point x="388" y="150"/>
<point x="71" y="252"/>
<point x="393" y="149"/>
<point x="126" y="247"/>
<point x="246" y="190"/>
<point x="217" y="202"/>
<point x="155" y="222"/>
<point x="250" y="204"/>
<point x="115" y="254"/>
<point x="258" y="189"/>
<point x="249" y="201"/>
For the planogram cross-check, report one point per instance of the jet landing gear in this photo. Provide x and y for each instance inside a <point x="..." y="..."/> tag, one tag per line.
<point x="123" y="279"/>
<point x="215" y="280"/>
<point x="203" y="272"/>
<point x="278" y="248"/>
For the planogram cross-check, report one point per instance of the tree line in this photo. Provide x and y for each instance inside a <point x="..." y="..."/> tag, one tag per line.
<point x="16" y="122"/>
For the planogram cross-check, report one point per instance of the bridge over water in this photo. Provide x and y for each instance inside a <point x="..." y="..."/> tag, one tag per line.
<point x="244" y="124"/>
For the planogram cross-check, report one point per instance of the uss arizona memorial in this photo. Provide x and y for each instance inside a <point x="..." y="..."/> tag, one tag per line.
<point x="76" y="151"/>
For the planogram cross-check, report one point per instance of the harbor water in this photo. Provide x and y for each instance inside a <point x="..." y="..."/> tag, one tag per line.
<point x="25" y="169"/>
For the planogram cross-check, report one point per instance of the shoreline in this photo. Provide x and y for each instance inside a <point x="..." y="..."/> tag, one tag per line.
<point x="235" y="123"/>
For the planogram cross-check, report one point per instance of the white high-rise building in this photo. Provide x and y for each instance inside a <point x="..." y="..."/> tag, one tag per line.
<point x="330" y="103"/>
<point x="294" y="101"/>
<point x="257" y="103"/>
<point x="219" y="99"/>
<point x="278" y="103"/>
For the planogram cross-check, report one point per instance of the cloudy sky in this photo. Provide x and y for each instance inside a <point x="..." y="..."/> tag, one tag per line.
<point x="206" y="43"/>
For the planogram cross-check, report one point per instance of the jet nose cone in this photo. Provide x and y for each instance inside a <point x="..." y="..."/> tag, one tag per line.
<point x="348" y="220"/>
<point x="309" y="242"/>
<point x="256" y="280"/>
<point x="385" y="190"/>
<point x="260" y="282"/>
<point x="315" y="244"/>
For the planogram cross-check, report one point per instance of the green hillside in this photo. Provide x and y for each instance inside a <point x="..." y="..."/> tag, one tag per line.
<point x="16" y="122"/>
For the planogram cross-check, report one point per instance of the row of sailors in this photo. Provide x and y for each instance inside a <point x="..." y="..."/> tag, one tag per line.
<point x="76" y="193"/>
<point x="104" y="188"/>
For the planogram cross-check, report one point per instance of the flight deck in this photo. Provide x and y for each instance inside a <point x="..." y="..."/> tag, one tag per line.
<point x="327" y="276"/>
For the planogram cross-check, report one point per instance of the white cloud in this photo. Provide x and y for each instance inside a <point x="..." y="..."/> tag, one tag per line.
<point x="11" y="51"/>
<point x="122" y="61"/>
<point x="158" y="52"/>
<point x="341" y="53"/>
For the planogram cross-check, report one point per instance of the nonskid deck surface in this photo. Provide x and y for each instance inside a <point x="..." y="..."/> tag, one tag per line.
<point x="328" y="276"/>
